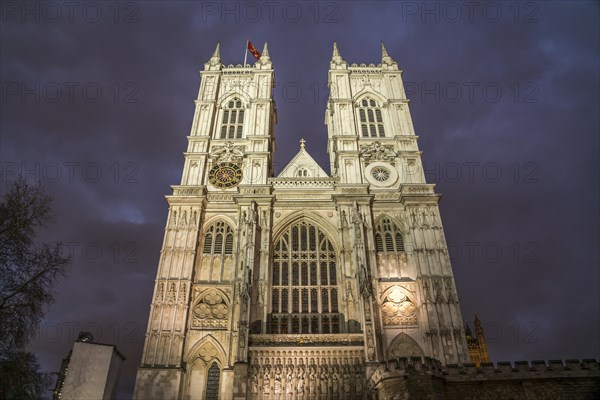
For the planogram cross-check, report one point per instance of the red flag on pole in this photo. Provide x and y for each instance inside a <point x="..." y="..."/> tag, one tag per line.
<point x="253" y="50"/>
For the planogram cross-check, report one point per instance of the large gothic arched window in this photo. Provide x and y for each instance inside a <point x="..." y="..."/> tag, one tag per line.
<point x="304" y="297"/>
<point x="371" y="121"/>
<point x="233" y="120"/>
<point x="388" y="238"/>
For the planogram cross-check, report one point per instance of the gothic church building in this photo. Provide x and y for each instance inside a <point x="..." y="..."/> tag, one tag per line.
<point x="300" y="285"/>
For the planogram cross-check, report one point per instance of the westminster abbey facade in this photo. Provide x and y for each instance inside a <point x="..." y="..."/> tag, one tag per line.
<point x="299" y="285"/>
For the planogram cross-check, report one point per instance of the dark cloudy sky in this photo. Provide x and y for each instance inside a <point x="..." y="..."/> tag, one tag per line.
<point x="97" y="100"/>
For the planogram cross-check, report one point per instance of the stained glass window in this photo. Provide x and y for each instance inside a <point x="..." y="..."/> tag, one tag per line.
<point x="309" y="300"/>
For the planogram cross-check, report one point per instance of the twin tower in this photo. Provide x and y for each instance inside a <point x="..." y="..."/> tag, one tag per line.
<point x="298" y="286"/>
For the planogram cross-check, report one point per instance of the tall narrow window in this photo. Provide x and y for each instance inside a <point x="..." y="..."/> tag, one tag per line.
<point x="218" y="239"/>
<point x="233" y="120"/>
<point x="371" y="121"/>
<point x="305" y="255"/>
<point x="388" y="238"/>
<point x="212" y="382"/>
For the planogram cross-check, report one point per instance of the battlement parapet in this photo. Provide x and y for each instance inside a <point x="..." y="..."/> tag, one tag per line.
<point x="576" y="379"/>
<point x="486" y="371"/>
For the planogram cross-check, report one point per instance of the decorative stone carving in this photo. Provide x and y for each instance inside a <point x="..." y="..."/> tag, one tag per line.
<point x="404" y="346"/>
<point x="437" y="290"/>
<point x="211" y="311"/>
<point x="349" y="339"/>
<point x="306" y="375"/>
<point x="365" y="284"/>
<point x="370" y="344"/>
<point x="397" y="309"/>
<point x="427" y="291"/>
<point x="377" y="152"/>
<point x="254" y="381"/>
<point x="450" y="292"/>
<point x="160" y="292"/>
<point x="171" y="293"/>
<point x="182" y="293"/>
<point x="228" y="153"/>
<point x="349" y="292"/>
<point x="260" y="297"/>
<point x="207" y="352"/>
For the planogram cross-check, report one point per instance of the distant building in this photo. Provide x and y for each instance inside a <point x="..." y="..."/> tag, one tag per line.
<point x="478" y="351"/>
<point x="89" y="371"/>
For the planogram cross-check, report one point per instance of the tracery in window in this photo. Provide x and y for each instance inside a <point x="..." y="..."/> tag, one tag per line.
<point x="308" y="302"/>
<point x="388" y="238"/>
<point x="233" y="120"/>
<point x="218" y="239"/>
<point x="371" y="121"/>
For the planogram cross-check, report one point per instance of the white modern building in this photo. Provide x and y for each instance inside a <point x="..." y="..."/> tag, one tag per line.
<point x="90" y="371"/>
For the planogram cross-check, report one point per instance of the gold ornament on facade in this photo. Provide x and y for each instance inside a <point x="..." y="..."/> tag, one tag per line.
<point x="211" y="311"/>
<point x="397" y="308"/>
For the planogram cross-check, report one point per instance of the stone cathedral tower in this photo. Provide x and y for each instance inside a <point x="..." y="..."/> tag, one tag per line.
<point x="300" y="285"/>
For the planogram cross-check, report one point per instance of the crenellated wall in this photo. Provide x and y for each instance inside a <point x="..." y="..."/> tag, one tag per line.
<point x="427" y="378"/>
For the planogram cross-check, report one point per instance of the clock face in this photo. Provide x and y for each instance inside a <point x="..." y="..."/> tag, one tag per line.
<point x="225" y="175"/>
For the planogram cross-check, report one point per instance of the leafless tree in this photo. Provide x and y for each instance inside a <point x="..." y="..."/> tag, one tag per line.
<point x="29" y="271"/>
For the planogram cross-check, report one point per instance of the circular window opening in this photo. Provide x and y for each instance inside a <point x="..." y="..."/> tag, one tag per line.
<point x="380" y="174"/>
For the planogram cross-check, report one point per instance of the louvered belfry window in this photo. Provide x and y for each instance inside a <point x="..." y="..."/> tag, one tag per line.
<point x="233" y="120"/>
<point x="218" y="239"/>
<point x="388" y="238"/>
<point x="371" y="121"/>
<point x="304" y="297"/>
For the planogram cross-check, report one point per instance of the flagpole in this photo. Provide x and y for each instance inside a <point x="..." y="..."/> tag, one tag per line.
<point x="246" y="52"/>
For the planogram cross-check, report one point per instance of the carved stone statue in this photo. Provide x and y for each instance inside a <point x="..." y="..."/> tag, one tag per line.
<point x="266" y="384"/>
<point x="300" y="386"/>
<point x="334" y="381"/>
<point x="261" y="293"/>
<point x="347" y="383"/>
<point x="289" y="383"/>
<point x="349" y="292"/>
<point x="358" y="381"/>
<point x="277" y="389"/>
<point x="323" y="383"/>
<point x="363" y="280"/>
<point x="254" y="383"/>
<point x="312" y="382"/>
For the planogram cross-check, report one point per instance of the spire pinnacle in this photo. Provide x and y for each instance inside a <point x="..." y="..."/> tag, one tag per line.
<point x="384" y="52"/>
<point x="336" y="57"/>
<point x="468" y="330"/>
<point x="216" y="57"/>
<point x="264" y="57"/>
<point x="385" y="57"/>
